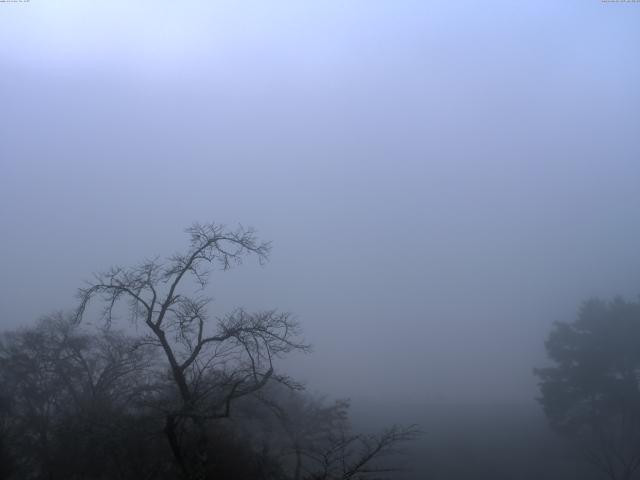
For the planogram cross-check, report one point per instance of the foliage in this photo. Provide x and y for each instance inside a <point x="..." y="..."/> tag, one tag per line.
<point x="65" y="386"/>
<point x="591" y="393"/>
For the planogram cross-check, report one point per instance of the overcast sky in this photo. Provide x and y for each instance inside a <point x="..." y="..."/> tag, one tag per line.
<point x="441" y="180"/>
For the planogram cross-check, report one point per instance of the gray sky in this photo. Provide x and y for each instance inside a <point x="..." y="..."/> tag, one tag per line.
<point x="441" y="180"/>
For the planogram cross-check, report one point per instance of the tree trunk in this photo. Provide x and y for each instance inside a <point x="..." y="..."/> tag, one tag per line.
<point x="202" y="443"/>
<point x="172" y="437"/>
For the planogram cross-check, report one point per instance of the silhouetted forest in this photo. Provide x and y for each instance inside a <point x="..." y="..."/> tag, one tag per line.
<point x="95" y="404"/>
<point x="201" y="397"/>
<point x="445" y="281"/>
<point x="195" y="397"/>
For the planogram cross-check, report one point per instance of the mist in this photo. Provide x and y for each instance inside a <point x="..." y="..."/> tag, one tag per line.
<point x="441" y="182"/>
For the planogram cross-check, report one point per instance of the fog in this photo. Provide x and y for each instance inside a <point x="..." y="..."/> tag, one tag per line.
<point x="441" y="181"/>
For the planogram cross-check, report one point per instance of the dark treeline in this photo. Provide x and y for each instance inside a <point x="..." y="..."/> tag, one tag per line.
<point x="191" y="396"/>
<point x="81" y="403"/>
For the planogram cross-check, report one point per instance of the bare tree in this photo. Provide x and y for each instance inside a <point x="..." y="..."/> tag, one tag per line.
<point x="351" y="456"/>
<point x="212" y="360"/>
<point x="61" y="384"/>
<point x="317" y="441"/>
